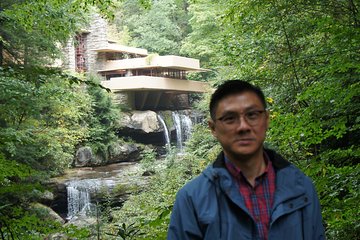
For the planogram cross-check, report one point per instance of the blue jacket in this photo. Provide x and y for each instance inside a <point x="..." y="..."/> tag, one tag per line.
<point x="210" y="207"/>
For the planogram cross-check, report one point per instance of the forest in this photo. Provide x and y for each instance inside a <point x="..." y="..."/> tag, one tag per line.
<point x="304" y="54"/>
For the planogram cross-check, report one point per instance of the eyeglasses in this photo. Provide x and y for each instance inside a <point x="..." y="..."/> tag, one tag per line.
<point x="252" y="118"/>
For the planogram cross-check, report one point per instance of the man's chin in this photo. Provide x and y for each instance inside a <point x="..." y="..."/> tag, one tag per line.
<point x="245" y="152"/>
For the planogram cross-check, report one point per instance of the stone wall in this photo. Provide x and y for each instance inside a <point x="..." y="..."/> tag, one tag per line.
<point x="69" y="55"/>
<point x="123" y="99"/>
<point x="96" y="38"/>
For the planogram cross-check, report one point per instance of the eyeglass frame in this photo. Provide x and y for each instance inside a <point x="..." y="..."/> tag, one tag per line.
<point x="237" y="118"/>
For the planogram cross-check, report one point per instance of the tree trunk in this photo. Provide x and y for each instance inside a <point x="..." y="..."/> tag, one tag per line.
<point x="1" y="52"/>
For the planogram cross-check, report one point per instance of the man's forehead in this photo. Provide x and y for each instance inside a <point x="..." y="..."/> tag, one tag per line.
<point x="247" y="97"/>
<point x="243" y="101"/>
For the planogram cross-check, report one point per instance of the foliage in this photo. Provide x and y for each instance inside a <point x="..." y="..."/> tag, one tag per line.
<point x="41" y="123"/>
<point x="150" y="209"/>
<point x="43" y="117"/>
<point x="339" y="196"/>
<point x="203" y="41"/>
<point x="43" y="110"/>
<point x="17" y="182"/>
<point x="101" y="119"/>
<point x="159" y="28"/>
<point x="19" y="185"/>
<point x="148" y="158"/>
<point x="24" y="225"/>
<point x="305" y="55"/>
<point x="126" y="232"/>
<point x="32" y="30"/>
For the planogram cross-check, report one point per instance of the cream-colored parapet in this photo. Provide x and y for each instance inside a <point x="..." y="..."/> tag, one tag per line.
<point x="170" y="61"/>
<point x="111" y="47"/>
<point x="148" y="83"/>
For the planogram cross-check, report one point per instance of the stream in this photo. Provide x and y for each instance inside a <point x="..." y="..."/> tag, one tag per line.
<point x="84" y="189"/>
<point x="85" y="185"/>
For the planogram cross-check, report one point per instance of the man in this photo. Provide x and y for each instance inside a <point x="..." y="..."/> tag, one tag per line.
<point x="248" y="192"/>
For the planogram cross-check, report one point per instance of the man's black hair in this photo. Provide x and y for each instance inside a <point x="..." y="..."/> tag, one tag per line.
<point x="231" y="87"/>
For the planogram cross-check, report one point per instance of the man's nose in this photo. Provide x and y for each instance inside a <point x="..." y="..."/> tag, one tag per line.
<point x="242" y="124"/>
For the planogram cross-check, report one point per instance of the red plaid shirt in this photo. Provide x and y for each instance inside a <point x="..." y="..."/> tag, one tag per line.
<point x="258" y="199"/>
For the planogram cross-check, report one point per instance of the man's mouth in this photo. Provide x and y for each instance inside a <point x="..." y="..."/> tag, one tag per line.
<point x="244" y="141"/>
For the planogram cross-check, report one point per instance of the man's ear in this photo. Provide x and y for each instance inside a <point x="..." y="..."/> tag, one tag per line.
<point x="211" y="125"/>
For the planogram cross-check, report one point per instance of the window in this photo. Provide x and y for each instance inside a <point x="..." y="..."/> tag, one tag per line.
<point x="80" y="48"/>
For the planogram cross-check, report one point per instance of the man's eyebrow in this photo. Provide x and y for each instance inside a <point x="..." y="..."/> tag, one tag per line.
<point x="228" y="112"/>
<point x="249" y="108"/>
<point x="252" y="107"/>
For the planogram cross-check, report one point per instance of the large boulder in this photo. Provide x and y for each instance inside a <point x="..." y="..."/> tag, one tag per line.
<point x="142" y="127"/>
<point x="146" y="121"/>
<point x="123" y="152"/>
<point x="83" y="157"/>
<point x="117" y="152"/>
<point x="46" y="212"/>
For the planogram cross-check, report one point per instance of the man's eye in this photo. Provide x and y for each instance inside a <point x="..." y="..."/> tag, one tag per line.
<point x="229" y="119"/>
<point x="252" y="115"/>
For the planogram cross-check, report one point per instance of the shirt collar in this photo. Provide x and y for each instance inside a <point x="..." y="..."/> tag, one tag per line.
<point x="236" y="171"/>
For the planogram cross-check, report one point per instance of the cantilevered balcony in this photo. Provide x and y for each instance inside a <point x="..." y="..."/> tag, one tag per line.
<point x="153" y="82"/>
<point x="151" y="62"/>
<point x="148" y="83"/>
<point x="113" y="48"/>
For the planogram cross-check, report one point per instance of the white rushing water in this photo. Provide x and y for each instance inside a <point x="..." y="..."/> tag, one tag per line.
<point x="183" y="125"/>
<point x="186" y="126"/>
<point x="177" y="124"/>
<point x="80" y="192"/>
<point x="166" y="131"/>
<point x="79" y="196"/>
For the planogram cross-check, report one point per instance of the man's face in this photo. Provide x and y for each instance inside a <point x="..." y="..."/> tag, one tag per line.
<point x="240" y="125"/>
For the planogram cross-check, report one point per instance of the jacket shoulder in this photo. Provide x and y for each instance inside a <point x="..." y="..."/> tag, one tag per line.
<point x="198" y="185"/>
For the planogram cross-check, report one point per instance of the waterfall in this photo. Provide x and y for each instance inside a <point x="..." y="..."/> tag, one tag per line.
<point x="177" y="124"/>
<point x="166" y="131"/>
<point x="183" y="125"/>
<point x="186" y="126"/>
<point x="79" y="196"/>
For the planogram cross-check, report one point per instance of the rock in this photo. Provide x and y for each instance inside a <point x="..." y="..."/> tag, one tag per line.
<point x="50" y="214"/>
<point x="59" y="192"/>
<point x="82" y="221"/>
<point x="120" y="152"/>
<point x="142" y="127"/>
<point x="116" y="152"/>
<point x="45" y="197"/>
<point x="124" y="120"/>
<point x="83" y="156"/>
<point x="99" y="159"/>
<point x="57" y="236"/>
<point x="145" y="120"/>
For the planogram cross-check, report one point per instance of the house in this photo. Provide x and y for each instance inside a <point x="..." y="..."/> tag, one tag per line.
<point x="138" y="79"/>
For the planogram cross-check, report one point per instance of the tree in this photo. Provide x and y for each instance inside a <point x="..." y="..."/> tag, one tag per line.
<point x="305" y="54"/>
<point x="160" y="28"/>
<point x="102" y="118"/>
<point x="203" y="41"/>
<point x="32" y="30"/>
<point x="41" y="124"/>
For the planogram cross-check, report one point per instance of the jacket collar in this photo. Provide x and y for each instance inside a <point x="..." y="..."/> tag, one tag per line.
<point x="289" y="183"/>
